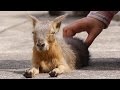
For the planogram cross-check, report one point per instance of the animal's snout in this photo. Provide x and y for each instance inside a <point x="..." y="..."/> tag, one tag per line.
<point x="40" y="44"/>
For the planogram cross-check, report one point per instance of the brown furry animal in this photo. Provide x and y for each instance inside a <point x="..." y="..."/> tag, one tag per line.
<point x="55" y="55"/>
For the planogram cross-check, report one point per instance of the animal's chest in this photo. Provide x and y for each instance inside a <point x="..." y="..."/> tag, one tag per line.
<point x="46" y="66"/>
<point x="44" y="62"/>
<point x="47" y="61"/>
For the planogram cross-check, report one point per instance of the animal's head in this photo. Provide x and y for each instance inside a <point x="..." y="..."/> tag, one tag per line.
<point x="44" y="32"/>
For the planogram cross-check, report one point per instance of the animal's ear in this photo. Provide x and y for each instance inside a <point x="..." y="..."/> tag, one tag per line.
<point x="33" y="19"/>
<point x="56" y="23"/>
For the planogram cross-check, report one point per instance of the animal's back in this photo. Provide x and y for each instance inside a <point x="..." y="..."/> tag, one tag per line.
<point x="75" y="52"/>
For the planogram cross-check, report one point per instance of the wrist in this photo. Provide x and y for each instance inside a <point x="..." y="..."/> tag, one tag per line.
<point x="97" y="23"/>
<point x="103" y="16"/>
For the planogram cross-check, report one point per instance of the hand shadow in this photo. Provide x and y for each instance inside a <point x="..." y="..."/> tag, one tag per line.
<point x="103" y="64"/>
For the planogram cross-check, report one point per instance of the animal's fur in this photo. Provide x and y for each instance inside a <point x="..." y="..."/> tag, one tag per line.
<point x="60" y="55"/>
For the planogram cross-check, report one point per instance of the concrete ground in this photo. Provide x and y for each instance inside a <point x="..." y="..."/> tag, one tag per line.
<point x="16" y="48"/>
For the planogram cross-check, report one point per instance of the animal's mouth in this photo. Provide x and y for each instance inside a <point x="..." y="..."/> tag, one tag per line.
<point x="41" y="49"/>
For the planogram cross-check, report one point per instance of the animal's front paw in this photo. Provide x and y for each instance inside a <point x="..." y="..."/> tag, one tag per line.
<point x="53" y="73"/>
<point x="28" y="74"/>
<point x="31" y="72"/>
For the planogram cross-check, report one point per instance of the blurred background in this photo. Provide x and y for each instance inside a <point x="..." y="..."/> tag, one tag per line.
<point x="75" y="13"/>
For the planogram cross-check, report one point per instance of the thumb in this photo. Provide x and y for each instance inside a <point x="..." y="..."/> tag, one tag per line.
<point x="92" y="35"/>
<point x="90" y="38"/>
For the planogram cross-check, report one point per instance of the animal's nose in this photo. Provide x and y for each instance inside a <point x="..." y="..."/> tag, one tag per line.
<point x="40" y="45"/>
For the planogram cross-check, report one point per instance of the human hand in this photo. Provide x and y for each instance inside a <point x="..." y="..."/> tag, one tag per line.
<point x="91" y="25"/>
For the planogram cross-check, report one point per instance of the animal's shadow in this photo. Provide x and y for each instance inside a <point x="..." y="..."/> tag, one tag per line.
<point x="95" y="64"/>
